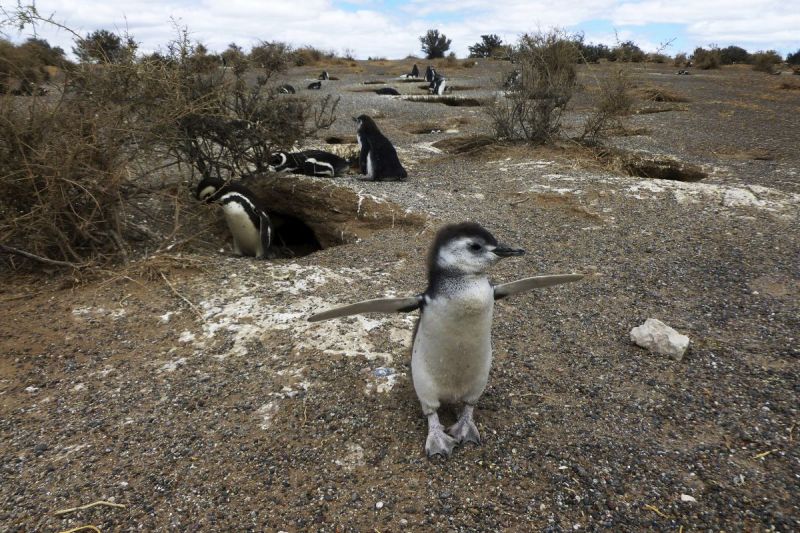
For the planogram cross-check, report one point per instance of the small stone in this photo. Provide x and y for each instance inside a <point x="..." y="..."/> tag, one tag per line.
<point x="659" y="338"/>
<point x="445" y="495"/>
<point x="379" y="506"/>
<point x="687" y="498"/>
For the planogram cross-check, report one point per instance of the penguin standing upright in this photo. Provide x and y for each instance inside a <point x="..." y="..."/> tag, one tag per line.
<point x="430" y="74"/>
<point x="415" y="71"/>
<point x="438" y="85"/>
<point x="247" y="219"/>
<point x="451" y="351"/>
<point x="377" y="158"/>
<point x="324" y="75"/>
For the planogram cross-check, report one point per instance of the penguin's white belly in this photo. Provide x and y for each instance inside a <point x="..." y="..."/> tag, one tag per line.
<point x="452" y="352"/>
<point x="245" y="235"/>
<point x="370" y="165"/>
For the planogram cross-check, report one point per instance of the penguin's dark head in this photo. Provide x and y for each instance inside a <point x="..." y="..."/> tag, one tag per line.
<point x="277" y="161"/>
<point x="208" y="188"/>
<point x="365" y="123"/>
<point x="467" y="248"/>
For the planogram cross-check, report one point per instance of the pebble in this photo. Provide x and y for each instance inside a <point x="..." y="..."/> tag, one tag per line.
<point x="379" y="506"/>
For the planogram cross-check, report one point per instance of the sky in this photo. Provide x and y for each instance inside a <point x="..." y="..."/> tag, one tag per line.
<point x="391" y="28"/>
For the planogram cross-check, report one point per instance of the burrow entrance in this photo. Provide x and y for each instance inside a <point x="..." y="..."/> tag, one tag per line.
<point x="455" y="101"/>
<point x="311" y="214"/>
<point x="652" y="166"/>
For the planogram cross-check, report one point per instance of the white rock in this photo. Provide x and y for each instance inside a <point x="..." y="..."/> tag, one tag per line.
<point x="660" y="338"/>
<point x="687" y="498"/>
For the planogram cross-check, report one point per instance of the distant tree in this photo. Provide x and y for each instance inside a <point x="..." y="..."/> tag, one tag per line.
<point x="203" y="62"/>
<point x="793" y="59"/>
<point x="102" y="46"/>
<point x="272" y="56"/>
<point x="706" y="59"/>
<point x="434" y="44"/>
<point x="486" y="47"/>
<point x="43" y="52"/>
<point x="627" y="51"/>
<point x="592" y="53"/>
<point x="733" y="54"/>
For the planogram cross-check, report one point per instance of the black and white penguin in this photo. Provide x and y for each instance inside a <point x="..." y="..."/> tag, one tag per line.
<point x="415" y="71"/>
<point x="430" y="74"/>
<point x="309" y="162"/>
<point x="324" y="75"/>
<point x="438" y="85"/>
<point x="451" y="352"/>
<point x="286" y="89"/>
<point x="377" y="159"/>
<point x="387" y="91"/>
<point x="246" y="217"/>
<point x="315" y="86"/>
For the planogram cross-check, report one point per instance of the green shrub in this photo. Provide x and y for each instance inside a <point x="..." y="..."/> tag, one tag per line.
<point x="765" y="61"/>
<point x="706" y="59"/>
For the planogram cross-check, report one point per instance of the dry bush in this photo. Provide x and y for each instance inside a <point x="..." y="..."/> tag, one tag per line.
<point x="681" y="60"/>
<point x="706" y="59"/>
<point x="611" y="102"/>
<point x="660" y="94"/>
<point x="310" y="56"/>
<point x="765" y="61"/>
<point x="77" y="166"/>
<point x="532" y="108"/>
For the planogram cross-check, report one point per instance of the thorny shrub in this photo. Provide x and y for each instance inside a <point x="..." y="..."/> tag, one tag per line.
<point x="75" y="164"/>
<point x="533" y="105"/>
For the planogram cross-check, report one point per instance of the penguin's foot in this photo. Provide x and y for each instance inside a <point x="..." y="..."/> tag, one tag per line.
<point x="439" y="443"/>
<point x="465" y="430"/>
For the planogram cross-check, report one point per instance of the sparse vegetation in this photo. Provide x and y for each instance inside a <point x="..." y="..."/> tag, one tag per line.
<point x="612" y="102"/>
<point x="533" y="106"/>
<point x="102" y="46"/>
<point x="627" y="51"/>
<point x="731" y="55"/>
<point x="793" y="58"/>
<point x="681" y="60"/>
<point x="765" y="61"/>
<point x="706" y="59"/>
<point x="434" y="44"/>
<point x="74" y="165"/>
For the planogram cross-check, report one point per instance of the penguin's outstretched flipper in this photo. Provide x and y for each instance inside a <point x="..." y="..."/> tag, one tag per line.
<point x="536" y="282"/>
<point x="380" y="305"/>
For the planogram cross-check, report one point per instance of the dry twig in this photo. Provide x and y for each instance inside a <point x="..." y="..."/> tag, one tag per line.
<point x="87" y="506"/>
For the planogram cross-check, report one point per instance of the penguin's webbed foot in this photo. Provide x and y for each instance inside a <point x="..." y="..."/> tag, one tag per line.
<point x="465" y="431"/>
<point x="439" y="443"/>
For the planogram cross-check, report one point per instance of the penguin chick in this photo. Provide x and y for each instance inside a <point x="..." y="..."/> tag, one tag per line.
<point x="377" y="158"/>
<point x="247" y="219"/>
<point x="451" y="351"/>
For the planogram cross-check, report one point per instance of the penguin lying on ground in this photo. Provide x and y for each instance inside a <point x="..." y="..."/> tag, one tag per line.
<point x="451" y="353"/>
<point x="286" y="89"/>
<point x="387" y="91"/>
<point x="309" y="162"/>
<point x="246" y="217"/>
<point x="314" y="86"/>
<point x="378" y="158"/>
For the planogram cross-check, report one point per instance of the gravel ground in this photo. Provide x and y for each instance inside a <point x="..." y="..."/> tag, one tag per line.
<point x="210" y="404"/>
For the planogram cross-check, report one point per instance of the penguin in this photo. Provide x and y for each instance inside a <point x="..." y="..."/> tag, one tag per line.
<point x="438" y="85"/>
<point x="286" y="89"/>
<point x="378" y="158"/>
<point x="451" y="352"/>
<point x="324" y="75"/>
<point x="415" y="71"/>
<point x="387" y="91"/>
<point x="247" y="219"/>
<point x="309" y="162"/>
<point x="430" y="74"/>
<point x="315" y="86"/>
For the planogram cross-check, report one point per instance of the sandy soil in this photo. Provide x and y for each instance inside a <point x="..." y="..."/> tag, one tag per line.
<point x="190" y="389"/>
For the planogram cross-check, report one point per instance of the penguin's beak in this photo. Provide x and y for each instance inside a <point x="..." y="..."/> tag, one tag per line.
<point x="505" y="251"/>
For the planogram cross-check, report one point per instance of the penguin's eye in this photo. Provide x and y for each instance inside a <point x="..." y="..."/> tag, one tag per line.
<point x="475" y="246"/>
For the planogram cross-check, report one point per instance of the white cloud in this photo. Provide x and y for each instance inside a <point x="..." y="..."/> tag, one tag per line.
<point x="373" y="30"/>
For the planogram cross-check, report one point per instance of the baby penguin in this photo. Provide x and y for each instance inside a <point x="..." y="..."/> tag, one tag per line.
<point x="451" y="352"/>
<point x="246" y="217"/>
